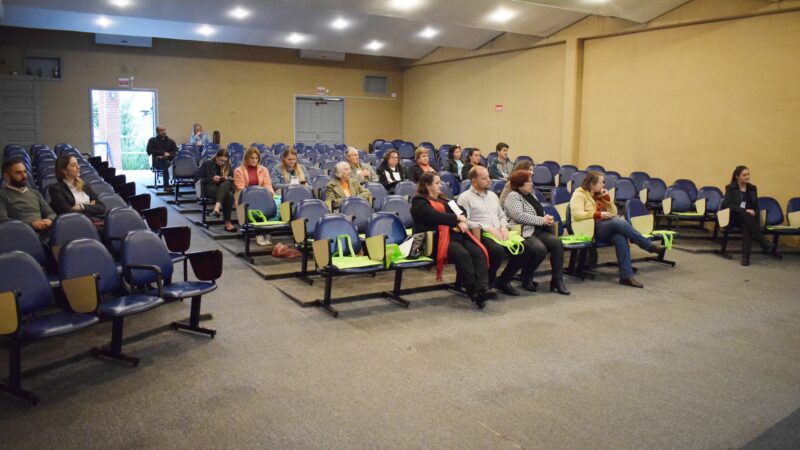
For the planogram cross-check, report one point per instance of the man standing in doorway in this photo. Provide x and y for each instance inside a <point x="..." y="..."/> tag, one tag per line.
<point x="162" y="149"/>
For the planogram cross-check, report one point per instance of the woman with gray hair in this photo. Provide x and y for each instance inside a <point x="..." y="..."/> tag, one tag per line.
<point x="343" y="186"/>
<point x="198" y="136"/>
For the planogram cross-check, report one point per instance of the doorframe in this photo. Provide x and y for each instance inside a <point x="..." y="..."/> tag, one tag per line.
<point x="155" y="108"/>
<point x="317" y="97"/>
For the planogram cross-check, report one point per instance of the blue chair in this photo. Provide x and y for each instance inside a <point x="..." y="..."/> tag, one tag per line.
<point x="111" y="201"/>
<point x="639" y="179"/>
<point x="523" y="158"/>
<point x="554" y="167"/>
<point x="25" y="297"/>
<point x="446" y="191"/>
<point x="359" y="210"/>
<point x="611" y="178"/>
<point x="577" y="179"/>
<point x="677" y="205"/>
<point x="465" y="186"/>
<point x="318" y="187"/>
<point x="378" y="194"/>
<point x="543" y="178"/>
<point x="16" y="235"/>
<point x="303" y="226"/>
<point x="688" y="186"/>
<point x="258" y="198"/>
<point x="184" y="169"/>
<point x="397" y="143"/>
<point x="578" y="251"/>
<point x="68" y="227"/>
<point x="398" y="205"/>
<point x="713" y="199"/>
<point x="497" y="186"/>
<point x="292" y="195"/>
<point x="146" y="260"/>
<point x="643" y="221"/>
<point x="86" y="264"/>
<point x="452" y="181"/>
<point x="120" y="221"/>
<point x="596" y="168"/>
<point x="405" y="188"/>
<point x="406" y="150"/>
<point x="539" y="196"/>
<point x="624" y="190"/>
<point x="336" y="249"/>
<point x="376" y="144"/>
<point x="773" y="219"/>
<point x="653" y="193"/>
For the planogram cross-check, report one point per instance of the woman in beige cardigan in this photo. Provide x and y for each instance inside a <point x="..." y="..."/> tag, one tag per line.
<point x="592" y="202"/>
<point x="251" y="172"/>
<point x="343" y="186"/>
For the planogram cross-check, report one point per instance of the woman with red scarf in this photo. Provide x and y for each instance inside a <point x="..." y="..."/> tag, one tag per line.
<point x="453" y="242"/>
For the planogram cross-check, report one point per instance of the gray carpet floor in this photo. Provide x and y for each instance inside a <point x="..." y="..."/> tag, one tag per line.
<point x="706" y="356"/>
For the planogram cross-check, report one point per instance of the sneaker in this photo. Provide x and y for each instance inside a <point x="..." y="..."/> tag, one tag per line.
<point x="262" y="240"/>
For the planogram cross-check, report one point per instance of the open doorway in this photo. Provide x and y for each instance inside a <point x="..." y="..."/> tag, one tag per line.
<point x="122" y="123"/>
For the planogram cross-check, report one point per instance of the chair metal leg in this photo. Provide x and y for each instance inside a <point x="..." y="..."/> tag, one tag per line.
<point x="114" y="351"/>
<point x="395" y="294"/>
<point x="14" y="386"/>
<point x="325" y="303"/>
<point x="194" y="321"/>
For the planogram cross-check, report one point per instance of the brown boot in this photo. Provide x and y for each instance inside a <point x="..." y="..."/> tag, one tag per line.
<point x="630" y="282"/>
<point x="658" y="249"/>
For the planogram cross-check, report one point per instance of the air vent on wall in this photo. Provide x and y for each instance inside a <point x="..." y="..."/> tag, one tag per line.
<point x="126" y="41"/>
<point x="376" y="84"/>
<point x="324" y="56"/>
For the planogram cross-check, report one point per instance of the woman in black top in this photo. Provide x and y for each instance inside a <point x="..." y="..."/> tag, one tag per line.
<point x="391" y="172"/>
<point x="71" y="194"/>
<point x="453" y="242"/>
<point x="217" y="181"/>
<point x="741" y="198"/>
<point x="473" y="159"/>
<point x="454" y="163"/>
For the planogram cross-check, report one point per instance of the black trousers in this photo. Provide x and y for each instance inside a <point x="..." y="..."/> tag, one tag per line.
<point x="163" y="164"/>
<point x="470" y="263"/>
<point x="497" y="254"/>
<point x="750" y="230"/>
<point x="538" y="246"/>
<point x="222" y="193"/>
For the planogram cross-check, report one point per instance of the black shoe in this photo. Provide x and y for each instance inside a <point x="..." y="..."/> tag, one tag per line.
<point x="478" y="299"/>
<point x="558" y="286"/>
<point x="506" y="288"/>
<point x="768" y="248"/>
<point x="745" y="259"/>
<point x="216" y="213"/>
<point x="487" y="294"/>
<point x="530" y="285"/>
<point x="630" y="282"/>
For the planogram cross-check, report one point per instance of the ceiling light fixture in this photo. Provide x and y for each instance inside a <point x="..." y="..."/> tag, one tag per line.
<point x="428" y="33"/>
<point x="405" y="5"/>
<point x="375" y="46"/>
<point x="295" y="38"/>
<point x="120" y="3"/>
<point x="239" y="13"/>
<point x="205" y="30"/>
<point x="340" y="23"/>
<point x="103" y="21"/>
<point x="502" y="15"/>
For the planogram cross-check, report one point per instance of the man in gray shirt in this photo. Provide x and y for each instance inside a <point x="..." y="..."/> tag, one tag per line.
<point x="483" y="210"/>
<point x="19" y="202"/>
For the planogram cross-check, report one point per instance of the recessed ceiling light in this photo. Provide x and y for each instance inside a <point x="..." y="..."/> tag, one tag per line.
<point x="103" y="21"/>
<point x="340" y="23"/>
<point x="295" y="38"/>
<point x="405" y="5"/>
<point x="375" y="46"/>
<point x="428" y="32"/>
<point x="502" y="15"/>
<point x="120" y="3"/>
<point x="205" y="30"/>
<point x="239" y="13"/>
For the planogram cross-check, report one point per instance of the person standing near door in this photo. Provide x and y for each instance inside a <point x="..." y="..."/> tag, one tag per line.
<point x="163" y="150"/>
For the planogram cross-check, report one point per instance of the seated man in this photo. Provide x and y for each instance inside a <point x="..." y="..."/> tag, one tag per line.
<point x="483" y="210"/>
<point x="19" y="202"/>
<point x="502" y="167"/>
<point x="163" y="150"/>
<point x="362" y="172"/>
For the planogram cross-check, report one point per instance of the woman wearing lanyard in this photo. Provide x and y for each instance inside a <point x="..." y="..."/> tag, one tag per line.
<point x="391" y="172"/>
<point x="742" y="199"/>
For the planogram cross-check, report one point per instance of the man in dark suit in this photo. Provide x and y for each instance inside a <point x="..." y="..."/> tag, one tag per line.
<point x="162" y="149"/>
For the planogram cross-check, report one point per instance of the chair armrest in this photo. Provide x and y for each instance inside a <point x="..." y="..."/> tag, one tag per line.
<point x="700" y="205"/>
<point x="612" y="193"/>
<point x="322" y="252"/>
<point x="428" y="243"/>
<point x="724" y="217"/>
<point x="286" y="211"/>
<point x="299" y="229"/>
<point x="376" y="247"/>
<point x="156" y="218"/>
<point x="206" y="265"/>
<point x="82" y="293"/>
<point x="128" y="272"/>
<point x="666" y="205"/>
<point x="643" y="196"/>
<point x="9" y="312"/>
<point x="762" y="218"/>
<point x="178" y="239"/>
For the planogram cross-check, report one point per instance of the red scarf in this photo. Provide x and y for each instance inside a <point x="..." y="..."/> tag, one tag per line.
<point x="444" y="242"/>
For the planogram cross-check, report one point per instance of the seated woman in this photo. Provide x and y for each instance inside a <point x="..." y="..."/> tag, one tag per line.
<point x="343" y="186"/>
<point x="288" y="171"/>
<point x="742" y="199"/>
<point x="391" y="172"/>
<point x="70" y="193"/>
<point x="454" y="163"/>
<point x="216" y="179"/>
<point x="592" y="202"/>
<point x="251" y="172"/>
<point x="198" y="136"/>
<point x="473" y="159"/>
<point x="423" y="165"/>
<point x="525" y="165"/>
<point x="522" y="208"/>
<point x="453" y="241"/>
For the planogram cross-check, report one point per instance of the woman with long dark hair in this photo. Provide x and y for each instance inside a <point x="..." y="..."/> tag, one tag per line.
<point x="741" y="198"/>
<point x="391" y="172"/>
<point x="453" y="241"/>
<point x="217" y="180"/>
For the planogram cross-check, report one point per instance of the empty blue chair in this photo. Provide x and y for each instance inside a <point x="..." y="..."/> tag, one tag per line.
<point x="147" y="261"/>
<point x="497" y="186"/>
<point x="397" y="143"/>
<point x="184" y="169"/>
<point x="452" y="181"/>
<point x="111" y="201"/>
<point x="16" y="235"/>
<point x="293" y="194"/>
<point x="446" y="191"/>
<point x="391" y="229"/>
<point x="577" y="179"/>
<point x="25" y="298"/>
<point x="639" y="179"/>
<point x="713" y="196"/>
<point x="624" y="190"/>
<point x="554" y="167"/>
<point x="68" y="227"/>
<point x="306" y="216"/>
<point x="87" y="263"/>
<point x="565" y="174"/>
<point x="406" y="188"/>
<point x="543" y="178"/>
<point x="523" y="158"/>
<point x="596" y="168"/>
<point x="406" y="150"/>
<point x="378" y="194"/>
<point x="359" y="210"/>
<point x="258" y="198"/>
<point x="611" y="177"/>
<point x="398" y="205"/>
<point x="465" y="186"/>
<point x="119" y="222"/>
<point x="688" y="186"/>
<point x="654" y="190"/>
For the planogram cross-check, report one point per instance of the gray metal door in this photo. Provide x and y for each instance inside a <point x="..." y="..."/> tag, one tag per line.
<point x="319" y="120"/>
<point x="19" y="110"/>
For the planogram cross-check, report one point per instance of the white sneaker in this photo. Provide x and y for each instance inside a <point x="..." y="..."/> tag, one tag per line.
<point x="262" y="240"/>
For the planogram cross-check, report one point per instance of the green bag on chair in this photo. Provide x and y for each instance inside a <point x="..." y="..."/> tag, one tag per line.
<point x="513" y="244"/>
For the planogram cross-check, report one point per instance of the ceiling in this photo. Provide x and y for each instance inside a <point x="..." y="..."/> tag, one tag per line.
<point x="307" y="24"/>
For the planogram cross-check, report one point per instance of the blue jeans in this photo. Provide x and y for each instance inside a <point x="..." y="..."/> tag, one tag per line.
<point x="617" y="232"/>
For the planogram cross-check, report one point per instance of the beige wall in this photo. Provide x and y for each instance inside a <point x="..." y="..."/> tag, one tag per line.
<point x="245" y="92"/>
<point x="455" y="102"/>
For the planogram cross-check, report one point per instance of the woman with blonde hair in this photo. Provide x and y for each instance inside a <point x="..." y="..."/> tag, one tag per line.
<point x="422" y="156"/>
<point x="251" y="172"/>
<point x="70" y="193"/>
<point x="216" y="179"/>
<point x="288" y="171"/>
